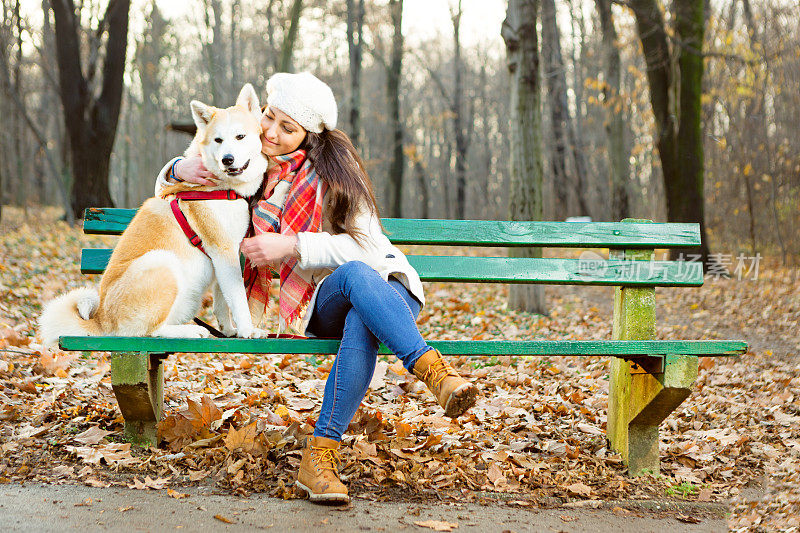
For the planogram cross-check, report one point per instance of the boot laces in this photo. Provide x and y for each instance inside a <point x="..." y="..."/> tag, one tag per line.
<point x="325" y="458"/>
<point x="437" y="371"/>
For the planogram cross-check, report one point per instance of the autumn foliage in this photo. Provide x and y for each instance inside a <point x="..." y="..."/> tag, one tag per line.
<point x="537" y="433"/>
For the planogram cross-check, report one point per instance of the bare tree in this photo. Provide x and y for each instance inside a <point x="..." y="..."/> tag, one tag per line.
<point x="290" y="37"/>
<point x="393" y="100"/>
<point x="616" y="129"/>
<point x="91" y="120"/>
<point x="461" y="127"/>
<point x="355" y="27"/>
<point x="522" y="49"/>
<point x="675" y="81"/>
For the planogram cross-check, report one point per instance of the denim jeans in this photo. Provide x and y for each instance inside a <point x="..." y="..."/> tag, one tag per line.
<point x="355" y="304"/>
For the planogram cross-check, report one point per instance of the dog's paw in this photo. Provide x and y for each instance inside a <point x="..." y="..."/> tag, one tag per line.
<point x="256" y="333"/>
<point x="228" y="330"/>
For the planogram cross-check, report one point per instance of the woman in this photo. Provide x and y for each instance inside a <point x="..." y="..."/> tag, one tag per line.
<point x="333" y="256"/>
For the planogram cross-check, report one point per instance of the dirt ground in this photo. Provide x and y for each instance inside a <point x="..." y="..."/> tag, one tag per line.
<point x="59" y="508"/>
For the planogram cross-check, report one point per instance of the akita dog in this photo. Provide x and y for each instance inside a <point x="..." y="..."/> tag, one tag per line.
<point x="156" y="277"/>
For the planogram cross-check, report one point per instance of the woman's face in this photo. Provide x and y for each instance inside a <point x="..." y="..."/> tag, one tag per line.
<point x="282" y="135"/>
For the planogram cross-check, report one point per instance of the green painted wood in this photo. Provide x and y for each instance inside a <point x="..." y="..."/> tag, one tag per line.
<point x="484" y="232"/>
<point x="106" y="220"/>
<point x="483" y="347"/>
<point x="634" y="319"/>
<point x="138" y="383"/>
<point x="557" y="271"/>
<point x="640" y="398"/>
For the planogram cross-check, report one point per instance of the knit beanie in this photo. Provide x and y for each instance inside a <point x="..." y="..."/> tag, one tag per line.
<point x="305" y="98"/>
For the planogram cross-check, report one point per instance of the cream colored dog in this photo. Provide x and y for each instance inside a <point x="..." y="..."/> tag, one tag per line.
<point x="156" y="279"/>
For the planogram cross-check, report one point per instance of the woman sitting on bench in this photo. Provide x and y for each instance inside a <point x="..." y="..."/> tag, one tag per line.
<point x="333" y="256"/>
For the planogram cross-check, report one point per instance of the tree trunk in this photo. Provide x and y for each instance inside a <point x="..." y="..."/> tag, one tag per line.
<point x="393" y="95"/>
<point x="522" y="49"/>
<point x="575" y="128"/>
<point x="422" y="183"/>
<point x="680" y="146"/>
<point x="355" y="24"/>
<point x="616" y="132"/>
<point x="461" y="139"/>
<point x="685" y="196"/>
<point x="91" y="122"/>
<point x="290" y="38"/>
<point x="559" y="108"/>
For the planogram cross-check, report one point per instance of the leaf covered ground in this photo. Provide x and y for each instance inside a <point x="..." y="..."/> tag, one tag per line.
<point x="536" y="437"/>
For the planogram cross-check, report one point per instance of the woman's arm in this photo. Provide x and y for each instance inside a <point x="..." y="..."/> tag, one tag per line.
<point x="325" y="250"/>
<point x="189" y="169"/>
<point x="320" y="249"/>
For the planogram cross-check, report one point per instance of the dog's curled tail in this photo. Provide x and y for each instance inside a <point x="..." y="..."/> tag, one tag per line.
<point x="70" y="314"/>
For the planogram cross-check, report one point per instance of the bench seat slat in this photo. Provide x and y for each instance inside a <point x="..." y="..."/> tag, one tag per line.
<point x="484" y="347"/>
<point x="113" y="221"/>
<point x="519" y="270"/>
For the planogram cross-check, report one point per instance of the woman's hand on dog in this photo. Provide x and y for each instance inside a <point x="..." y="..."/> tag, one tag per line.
<point x="269" y="248"/>
<point x="191" y="169"/>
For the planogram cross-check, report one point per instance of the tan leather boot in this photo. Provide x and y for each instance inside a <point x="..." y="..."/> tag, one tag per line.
<point x="453" y="392"/>
<point x="317" y="475"/>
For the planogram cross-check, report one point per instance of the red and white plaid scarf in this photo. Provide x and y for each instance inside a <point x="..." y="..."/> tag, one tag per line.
<point x="302" y="211"/>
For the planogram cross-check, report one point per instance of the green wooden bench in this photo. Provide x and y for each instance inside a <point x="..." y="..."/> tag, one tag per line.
<point x="648" y="380"/>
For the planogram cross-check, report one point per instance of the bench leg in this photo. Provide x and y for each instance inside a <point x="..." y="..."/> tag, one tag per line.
<point x="138" y="382"/>
<point x="642" y="391"/>
<point x="639" y="400"/>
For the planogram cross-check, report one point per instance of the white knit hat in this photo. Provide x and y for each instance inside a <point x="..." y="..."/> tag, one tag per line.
<point x="305" y="98"/>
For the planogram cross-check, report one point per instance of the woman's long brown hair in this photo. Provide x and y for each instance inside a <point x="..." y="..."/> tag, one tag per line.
<point x="349" y="188"/>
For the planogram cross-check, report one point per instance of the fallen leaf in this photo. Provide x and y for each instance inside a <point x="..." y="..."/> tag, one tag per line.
<point x="177" y="495"/>
<point x="580" y="489"/>
<point x="438" y="525"/>
<point x="148" y="483"/>
<point x="202" y="414"/>
<point x="243" y="439"/>
<point x="93" y="435"/>
<point x="223" y="519"/>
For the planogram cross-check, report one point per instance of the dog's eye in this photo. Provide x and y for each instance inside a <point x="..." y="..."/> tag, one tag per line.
<point x="218" y="140"/>
<point x="239" y="137"/>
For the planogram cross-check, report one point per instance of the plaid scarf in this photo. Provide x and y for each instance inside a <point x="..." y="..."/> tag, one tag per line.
<point x="302" y="211"/>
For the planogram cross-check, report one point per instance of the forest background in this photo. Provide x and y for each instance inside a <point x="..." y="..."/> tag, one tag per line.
<point x="424" y="90"/>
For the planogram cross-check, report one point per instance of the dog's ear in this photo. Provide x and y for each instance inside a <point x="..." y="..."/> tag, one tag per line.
<point x="201" y="113"/>
<point x="248" y="100"/>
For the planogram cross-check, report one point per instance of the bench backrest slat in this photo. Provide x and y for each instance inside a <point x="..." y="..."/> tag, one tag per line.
<point x="519" y="270"/>
<point x="486" y="232"/>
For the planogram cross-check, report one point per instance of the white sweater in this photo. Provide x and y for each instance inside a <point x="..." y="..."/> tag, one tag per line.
<point x="321" y="252"/>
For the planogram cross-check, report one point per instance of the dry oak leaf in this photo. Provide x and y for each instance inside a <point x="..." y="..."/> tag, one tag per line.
<point x="300" y="404"/>
<point x="580" y="489"/>
<point x="438" y="525"/>
<point x="148" y="483"/>
<point x="402" y="430"/>
<point x="177" y="495"/>
<point x="177" y="430"/>
<point x="202" y="414"/>
<point x="223" y="519"/>
<point x="91" y="436"/>
<point x="243" y="439"/>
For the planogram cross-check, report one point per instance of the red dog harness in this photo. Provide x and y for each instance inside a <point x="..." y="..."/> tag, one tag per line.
<point x="195" y="239"/>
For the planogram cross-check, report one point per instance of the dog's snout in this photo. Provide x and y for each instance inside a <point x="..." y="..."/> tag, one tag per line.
<point x="227" y="160"/>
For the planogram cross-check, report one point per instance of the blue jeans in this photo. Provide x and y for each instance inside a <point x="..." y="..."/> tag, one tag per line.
<point x="355" y="304"/>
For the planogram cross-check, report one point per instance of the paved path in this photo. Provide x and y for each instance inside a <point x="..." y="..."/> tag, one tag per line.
<point x="64" y="508"/>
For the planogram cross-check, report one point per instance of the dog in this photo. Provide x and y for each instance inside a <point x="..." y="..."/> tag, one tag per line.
<point x="156" y="278"/>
